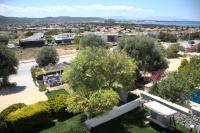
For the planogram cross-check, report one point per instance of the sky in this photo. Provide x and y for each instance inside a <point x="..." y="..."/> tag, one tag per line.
<point x="178" y="9"/>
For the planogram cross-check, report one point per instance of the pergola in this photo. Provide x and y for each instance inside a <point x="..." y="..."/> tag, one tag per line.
<point x="160" y="114"/>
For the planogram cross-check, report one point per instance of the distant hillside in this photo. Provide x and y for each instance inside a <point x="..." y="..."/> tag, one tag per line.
<point x="47" y="20"/>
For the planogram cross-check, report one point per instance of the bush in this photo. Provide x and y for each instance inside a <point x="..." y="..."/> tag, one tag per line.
<point x="172" y="50"/>
<point x="42" y="86"/>
<point x="36" y="73"/>
<point x="29" y="117"/>
<point x="11" y="109"/>
<point x="58" y="106"/>
<point x="3" y="125"/>
<point x="167" y="37"/>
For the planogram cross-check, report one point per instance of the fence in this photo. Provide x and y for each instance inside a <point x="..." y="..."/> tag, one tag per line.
<point x="117" y="111"/>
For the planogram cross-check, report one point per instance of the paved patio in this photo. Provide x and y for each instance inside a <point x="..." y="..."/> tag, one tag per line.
<point x="20" y="94"/>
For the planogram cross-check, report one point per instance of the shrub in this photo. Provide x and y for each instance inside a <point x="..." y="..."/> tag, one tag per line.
<point x="42" y="86"/>
<point x="172" y="50"/>
<point x="29" y="117"/>
<point x="37" y="73"/>
<point x="58" y="106"/>
<point x="3" y="125"/>
<point x="11" y="109"/>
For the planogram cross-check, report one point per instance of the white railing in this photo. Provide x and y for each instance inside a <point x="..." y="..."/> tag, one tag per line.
<point x="174" y="106"/>
<point x="115" y="112"/>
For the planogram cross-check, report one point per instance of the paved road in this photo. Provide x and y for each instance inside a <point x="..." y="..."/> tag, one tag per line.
<point x="23" y="76"/>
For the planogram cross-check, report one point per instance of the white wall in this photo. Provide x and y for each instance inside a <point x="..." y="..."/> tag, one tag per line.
<point x="115" y="112"/>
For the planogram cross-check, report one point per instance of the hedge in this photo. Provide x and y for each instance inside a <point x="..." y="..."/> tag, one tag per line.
<point x="58" y="106"/>
<point x="3" y="125"/>
<point x="12" y="108"/>
<point x="29" y="117"/>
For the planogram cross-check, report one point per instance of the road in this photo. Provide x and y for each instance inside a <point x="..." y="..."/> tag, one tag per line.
<point x="23" y="76"/>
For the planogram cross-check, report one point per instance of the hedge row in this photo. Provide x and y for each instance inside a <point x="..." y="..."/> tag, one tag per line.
<point x="12" y="108"/>
<point x="29" y="117"/>
<point x="3" y="125"/>
<point x="22" y="118"/>
<point x="58" y="107"/>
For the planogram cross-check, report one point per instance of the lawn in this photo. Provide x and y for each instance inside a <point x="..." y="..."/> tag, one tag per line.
<point x="133" y="122"/>
<point x="72" y="125"/>
<point x="55" y="92"/>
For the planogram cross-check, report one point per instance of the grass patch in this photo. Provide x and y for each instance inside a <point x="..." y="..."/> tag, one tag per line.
<point x="55" y="92"/>
<point x="133" y="122"/>
<point x="73" y="125"/>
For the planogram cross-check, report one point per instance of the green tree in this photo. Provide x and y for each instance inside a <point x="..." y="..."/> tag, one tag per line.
<point x="172" y="50"/>
<point x="184" y="62"/>
<point x="167" y="37"/>
<point x="95" y="68"/>
<point x="4" y="40"/>
<point x="178" y="85"/>
<point x="29" y="33"/>
<point x="8" y="65"/>
<point x="93" y="103"/>
<point x="47" y="55"/>
<point x="92" y="41"/>
<point x="150" y="55"/>
<point x="77" y="39"/>
<point x="52" y="32"/>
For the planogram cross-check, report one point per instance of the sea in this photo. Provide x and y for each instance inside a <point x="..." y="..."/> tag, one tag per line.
<point x="172" y="23"/>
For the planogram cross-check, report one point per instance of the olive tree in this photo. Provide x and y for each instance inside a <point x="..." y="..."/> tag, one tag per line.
<point x="172" y="50"/>
<point x="8" y="64"/>
<point x="46" y="56"/>
<point x="149" y="55"/>
<point x="92" y="41"/>
<point x="95" y="68"/>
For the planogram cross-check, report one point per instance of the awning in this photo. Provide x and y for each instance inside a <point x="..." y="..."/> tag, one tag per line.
<point x="159" y="108"/>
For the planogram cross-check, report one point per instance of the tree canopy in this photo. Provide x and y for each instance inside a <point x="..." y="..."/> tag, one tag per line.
<point x="8" y="65"/>
<point x="92" y="41"/>
<point x="172" y="50"/>
<point x="47" y="55"/>
<point x="95" y="68"/>
<point x="4" y="40"/>
<point x="94" y="103"/>
<point x="177" y="86"/>
<point x="150" y="55"/>
<point x="167" y="37"/>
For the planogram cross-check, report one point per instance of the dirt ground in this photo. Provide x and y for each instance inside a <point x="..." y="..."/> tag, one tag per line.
<point x="30" y="53"/>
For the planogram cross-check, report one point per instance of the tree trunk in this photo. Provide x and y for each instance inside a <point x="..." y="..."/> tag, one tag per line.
<point x="123" y="93"/>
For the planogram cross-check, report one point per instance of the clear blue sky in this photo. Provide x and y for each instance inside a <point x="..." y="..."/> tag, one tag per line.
<point x="186" y="9"/>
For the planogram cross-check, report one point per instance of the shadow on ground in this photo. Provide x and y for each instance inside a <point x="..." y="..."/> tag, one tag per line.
<point x="11" y="90"/>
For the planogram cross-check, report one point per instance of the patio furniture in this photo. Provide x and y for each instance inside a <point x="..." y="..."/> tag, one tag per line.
<point x="160" y="114"/>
